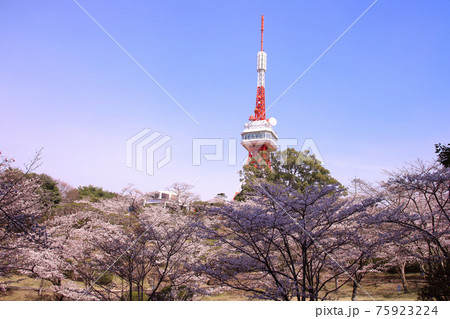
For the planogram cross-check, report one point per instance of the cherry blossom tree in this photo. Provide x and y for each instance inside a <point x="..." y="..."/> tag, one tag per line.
<point x="420" y="194"/>
<point x="148" y="248"/>
<point x="279" y="245"/>
<point x="385" y="245"/>
<point x="417" y="210"/>
<point x="183" y="195"/>
<point x="400" y="252"/>
<point x="68" y="193"/>
<point x="67" y="261"/>
<point x="23" y="203"/>
<point x="367" y="246"/>
<point x="152" y="247"/>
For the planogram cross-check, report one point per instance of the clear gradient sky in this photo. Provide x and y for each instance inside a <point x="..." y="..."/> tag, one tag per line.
<point x="377" y="99"/>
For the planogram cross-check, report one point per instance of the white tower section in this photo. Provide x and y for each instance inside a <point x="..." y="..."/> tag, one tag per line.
<point x="257" y="134"/>
<point x="261" y="68"/>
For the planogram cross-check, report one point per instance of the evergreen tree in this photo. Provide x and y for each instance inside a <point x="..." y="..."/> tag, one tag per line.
<point x="296" y="169"/>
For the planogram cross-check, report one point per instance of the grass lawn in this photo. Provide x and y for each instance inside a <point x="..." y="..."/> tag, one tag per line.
<point x="382" y="287"/>
<point x="379" y="286"/>
<point x="28" y="289"/>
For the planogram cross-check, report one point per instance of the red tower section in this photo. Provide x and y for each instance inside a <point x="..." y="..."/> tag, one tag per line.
<point x="260" y="109"/>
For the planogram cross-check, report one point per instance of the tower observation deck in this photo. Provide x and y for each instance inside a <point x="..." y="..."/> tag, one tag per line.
<point x="258" y="134"/>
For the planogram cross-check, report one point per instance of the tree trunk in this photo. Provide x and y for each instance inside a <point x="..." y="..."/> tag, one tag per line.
<point x="355" y="291"/>
<point x="41" y="288"/>
<point x="401" y="269"/>
<point x="142" y="289"/>
<point x="131" y="290"/>
<point x="139" y="291"/>
<point x="422" y="270"/>
<point x="297" y="290"/>
<point x="304" y="274"/>
<point x="122" y="295"/>
<point x="336" y="284"/>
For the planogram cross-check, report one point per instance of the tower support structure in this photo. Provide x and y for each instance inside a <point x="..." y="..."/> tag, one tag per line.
<point x="258" y="137"/>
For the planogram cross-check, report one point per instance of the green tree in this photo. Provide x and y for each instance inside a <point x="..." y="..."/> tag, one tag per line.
<point x="49" y="186"/>
<point x="221" y="195"/>
<point x="292" y="168"/>
<point x="443" y="154"/>
<point x="94" y="193"/>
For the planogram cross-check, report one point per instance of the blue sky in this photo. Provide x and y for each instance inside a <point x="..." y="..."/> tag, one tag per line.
<point x="377" y="99"/>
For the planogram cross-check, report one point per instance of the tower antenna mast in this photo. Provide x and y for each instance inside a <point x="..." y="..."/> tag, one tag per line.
<point x="262" y="31"/>
<point x="258" y="137"/>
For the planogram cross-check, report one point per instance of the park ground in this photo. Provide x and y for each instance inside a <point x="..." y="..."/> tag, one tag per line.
<point x="380" y="286"/>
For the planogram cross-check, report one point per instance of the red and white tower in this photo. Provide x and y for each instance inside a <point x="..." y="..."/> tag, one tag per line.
<point x="258" y="134"/>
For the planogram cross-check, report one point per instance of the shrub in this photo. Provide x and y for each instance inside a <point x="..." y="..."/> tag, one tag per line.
<point x="437" y="285"/>
<point x="105" y="279"/>
<point x="94" y="193"/>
